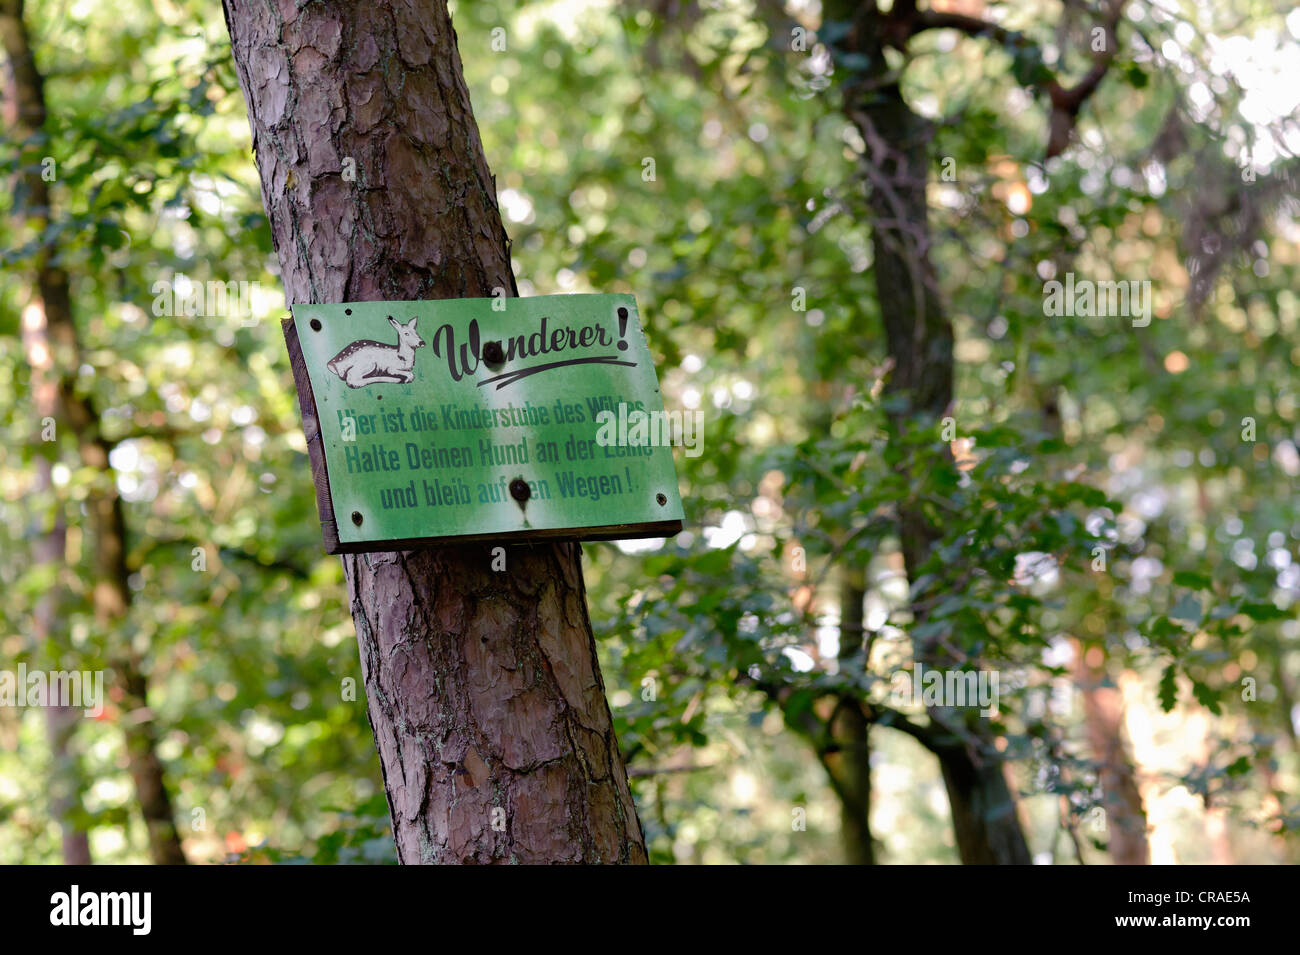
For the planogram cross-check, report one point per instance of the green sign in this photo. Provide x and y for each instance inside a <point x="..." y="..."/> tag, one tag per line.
<point x="484" y="419"/>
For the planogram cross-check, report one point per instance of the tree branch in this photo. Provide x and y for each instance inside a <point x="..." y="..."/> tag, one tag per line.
<point x="1065" y="101"/>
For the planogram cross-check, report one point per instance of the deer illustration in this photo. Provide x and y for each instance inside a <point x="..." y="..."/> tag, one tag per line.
<point x="365" y="362"/>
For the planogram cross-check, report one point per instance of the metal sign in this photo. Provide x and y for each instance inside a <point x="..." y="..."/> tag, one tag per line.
<point x="483" y="419"/>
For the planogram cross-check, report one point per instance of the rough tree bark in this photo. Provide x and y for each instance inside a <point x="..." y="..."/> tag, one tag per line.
<point x="26" y="112"/>
<point x="484" y="690"/>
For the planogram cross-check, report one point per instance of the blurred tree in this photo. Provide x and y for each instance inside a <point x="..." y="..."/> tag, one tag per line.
<point x="52" y="319"/>
<point x="920" y="386"/>
<point x="67" y="783"/>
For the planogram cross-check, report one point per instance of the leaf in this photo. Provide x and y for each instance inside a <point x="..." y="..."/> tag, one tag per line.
<point x="1263" y="611"/>
<point x="1207" y="696"/>
<point x="1191" y="580"/>
<point x="1187" y="608"/>
<point x="714" y="563"/>
<point x="798" y="702"/>
<point x="1238" y="767"/>
<point x="1168" y="691"/>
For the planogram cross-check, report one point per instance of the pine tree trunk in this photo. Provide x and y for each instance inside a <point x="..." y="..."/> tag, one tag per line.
<point x="484" y="691"/>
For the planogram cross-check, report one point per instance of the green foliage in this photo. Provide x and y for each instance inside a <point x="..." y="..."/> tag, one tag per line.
<point x="1102" y="495"/>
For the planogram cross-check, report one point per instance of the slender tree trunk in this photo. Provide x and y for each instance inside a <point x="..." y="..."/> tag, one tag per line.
<point x="484" y="691"/>
<point x="843" y="746"/>
<point x="1162" y="808"/>
<point x="920" y="341"/>
<point x="1276" y="665"/>
<point x="111" y="595"/>
<point x="67" y="783"/>
<point x="1103" y="709"/>
<point x="850" y="762"/>
<point x="1218" y="834"/>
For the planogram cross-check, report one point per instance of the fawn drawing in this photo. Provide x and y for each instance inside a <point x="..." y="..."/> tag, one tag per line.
<point x="366" y="362"/>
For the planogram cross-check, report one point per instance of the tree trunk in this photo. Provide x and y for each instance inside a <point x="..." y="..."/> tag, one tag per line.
<point x="485" y="695"/>
<point x="111" y="595"/>
<point x="67" y="783"/>
<point x="920" y="341"/>
<point x="849" y="761"/>
<point x="1103" y="713"/>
